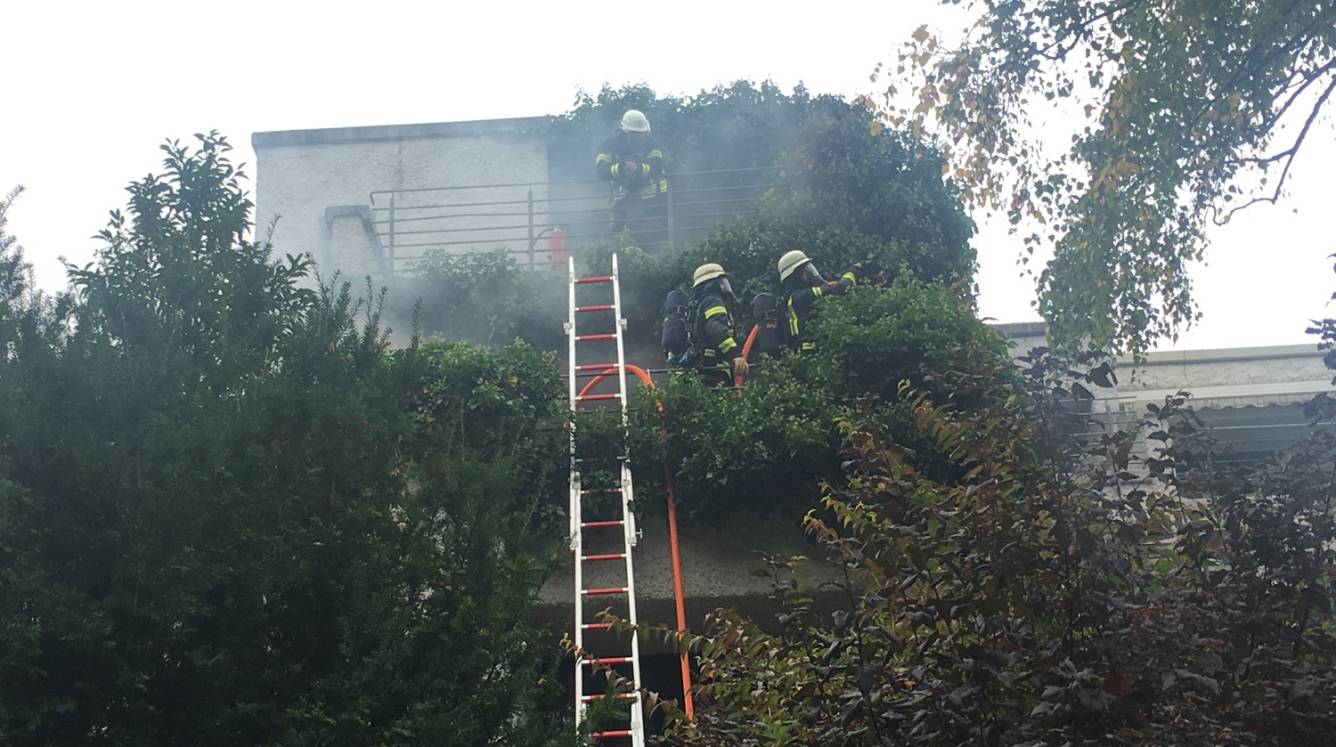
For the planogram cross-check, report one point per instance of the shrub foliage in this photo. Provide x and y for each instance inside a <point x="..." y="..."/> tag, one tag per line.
<point x="229" y="513"/>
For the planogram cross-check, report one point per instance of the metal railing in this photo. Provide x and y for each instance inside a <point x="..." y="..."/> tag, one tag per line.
<point x="540" y="220"/>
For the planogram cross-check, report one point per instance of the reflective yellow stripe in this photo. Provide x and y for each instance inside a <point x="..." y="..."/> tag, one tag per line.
<point x="603" y="158"/>
<point x="656" y="187"/>
<point x="793" y="319"/>
<point x="850" y="277"/>
<point x="817" y="291"/>
<point x="644" y="168"/>
<point x="616" y="167"/>
<point x="656" y="153"/>
<point x="728" y="344"/>
<point x="715" y="311"/>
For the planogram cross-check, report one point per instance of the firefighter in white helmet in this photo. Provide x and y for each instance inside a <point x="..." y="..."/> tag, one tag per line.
<point x="709" y="325"/>
<point x="633" y="162"/>
<point x="803" y="286"/>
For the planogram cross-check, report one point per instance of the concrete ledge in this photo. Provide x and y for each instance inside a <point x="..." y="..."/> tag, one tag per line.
<point x="381" y="133"/>
<point x="1228" y="355"/>
<point x="1021" y="329"/>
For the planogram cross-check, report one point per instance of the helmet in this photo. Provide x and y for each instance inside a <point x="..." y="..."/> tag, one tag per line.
<point x="634" y="121"/>
<point x="791" y="261"/>
<point x="707" y="271"/>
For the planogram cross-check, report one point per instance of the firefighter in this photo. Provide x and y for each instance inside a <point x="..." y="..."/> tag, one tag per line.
<point x="712" y="299"/>
<point x="803" y="287"/>
<point x="633" y="163"/>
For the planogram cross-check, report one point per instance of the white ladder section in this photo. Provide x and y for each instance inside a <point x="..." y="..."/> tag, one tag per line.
<point x="579" y="526"/>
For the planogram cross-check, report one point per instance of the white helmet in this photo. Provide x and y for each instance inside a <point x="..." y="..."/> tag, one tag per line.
<point x="707" y="271"/>
<point x="790" y="262"/>
<point x="634" y="121"/>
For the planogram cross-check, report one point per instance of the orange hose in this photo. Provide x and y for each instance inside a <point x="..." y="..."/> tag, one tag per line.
<point x="746" y="353"/>
<point x="687" y="700"/>
<point x="751" y="339"/>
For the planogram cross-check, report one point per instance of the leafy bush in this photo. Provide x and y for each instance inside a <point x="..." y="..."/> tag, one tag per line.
<point x="873" y="338"/>
<point x="230" y="514"/>
<point x="761" y="449"/>
<point x="767" y="446"/>
<point x="484" y="298"/>
<point x="1050" y="591"/>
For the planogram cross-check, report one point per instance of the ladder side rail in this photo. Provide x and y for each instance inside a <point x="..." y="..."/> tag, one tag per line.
<point x="619" y="324"/>
<point x="576" y="536"/>
<point x="628" y="513"/>
<point x="637" y="707"/>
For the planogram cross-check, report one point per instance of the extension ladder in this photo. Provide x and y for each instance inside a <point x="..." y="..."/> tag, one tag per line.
<point x="599" y="525"/>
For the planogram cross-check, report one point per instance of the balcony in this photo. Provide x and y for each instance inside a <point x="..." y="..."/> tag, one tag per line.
<point x="539" y="221"/>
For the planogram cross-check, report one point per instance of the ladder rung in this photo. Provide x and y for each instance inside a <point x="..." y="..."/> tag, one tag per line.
<point x="605" y="661"/>
<point x="594" y="279"/>
<point x="596" y="397"/>
<point x="596" y="336"/>
<point x="618" y="696"/>
<point x="604" y="491"/>
<point x="605" y="556"/>
<point x="613" y="734"/>
<point x="596" y="524"/>
<point x="596" y="366"/>
<point x="603" y="591"/>
<point x="597" y="626"/>
<point x="593" y="307"/>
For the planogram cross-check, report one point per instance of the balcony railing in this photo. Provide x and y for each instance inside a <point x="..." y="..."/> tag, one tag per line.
<point x="539" y="220"/>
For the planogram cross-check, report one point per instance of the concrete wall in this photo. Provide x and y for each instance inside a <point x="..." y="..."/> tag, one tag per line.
<point x="1224" y="377"/>
<point x="718" y="565"/>
<point x="1251" y="399"/>
<point x="314" y="181"/>
<point x="1257" y="376"/>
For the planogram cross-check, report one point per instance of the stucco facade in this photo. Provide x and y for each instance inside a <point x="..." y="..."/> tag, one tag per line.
<point x="318" y="184"/>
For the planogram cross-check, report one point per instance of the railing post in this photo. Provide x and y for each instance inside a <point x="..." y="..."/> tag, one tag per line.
<point x="532" y="241"/>
<point x="390" y="251"/>
<point x="672" y="218"/>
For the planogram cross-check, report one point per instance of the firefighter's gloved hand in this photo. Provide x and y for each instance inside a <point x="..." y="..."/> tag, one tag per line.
<point x="740" y="367"/>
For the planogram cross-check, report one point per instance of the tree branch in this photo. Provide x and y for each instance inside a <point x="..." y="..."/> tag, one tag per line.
<point x="1078" y="31"/>
<point x="1288" y="154"/>
<point x="1307" y="81"/>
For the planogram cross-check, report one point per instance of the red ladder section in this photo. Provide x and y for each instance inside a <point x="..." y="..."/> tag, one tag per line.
<point x="602" y="529"/>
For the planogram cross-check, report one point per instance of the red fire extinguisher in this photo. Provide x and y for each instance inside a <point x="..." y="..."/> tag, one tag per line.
<point x="556" y="246"/>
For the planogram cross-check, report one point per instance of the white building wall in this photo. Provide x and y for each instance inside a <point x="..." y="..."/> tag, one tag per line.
<point x="301" y="174"/>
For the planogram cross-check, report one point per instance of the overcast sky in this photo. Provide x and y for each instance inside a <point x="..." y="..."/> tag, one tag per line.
<point x="90" y="89"/>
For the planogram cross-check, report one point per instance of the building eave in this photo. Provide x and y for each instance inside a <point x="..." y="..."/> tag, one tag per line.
<point x="383" y="133"/>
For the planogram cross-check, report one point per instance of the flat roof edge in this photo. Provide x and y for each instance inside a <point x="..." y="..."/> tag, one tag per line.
<point x="381" y="133"/>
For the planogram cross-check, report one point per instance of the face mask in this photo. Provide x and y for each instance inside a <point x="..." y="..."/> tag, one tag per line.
<point x="810" y="275"/>
<point x="726" y="288"/>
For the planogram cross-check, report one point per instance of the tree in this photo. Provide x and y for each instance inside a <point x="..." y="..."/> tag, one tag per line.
<point x="229" y="513"/>
<point x="1186" y="112"/>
